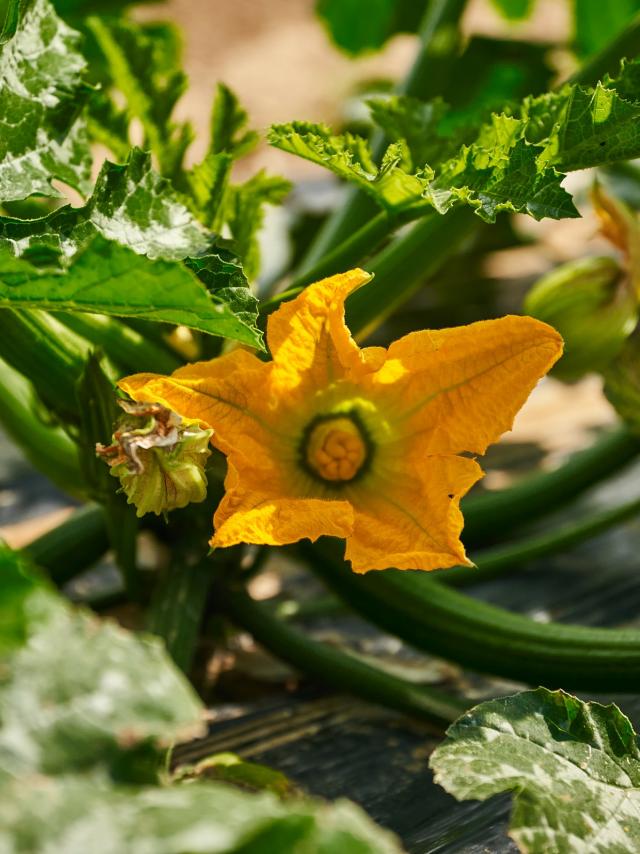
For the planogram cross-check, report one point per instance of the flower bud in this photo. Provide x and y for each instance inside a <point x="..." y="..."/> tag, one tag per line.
<point x="158" y="459"/>
<point x="592" y="306"/>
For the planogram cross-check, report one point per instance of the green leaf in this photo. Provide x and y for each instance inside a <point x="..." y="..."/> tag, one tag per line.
<point x="593" y="127"/>
<point x="41" y="96"/>
<point x="597" y="24"/>
<point x="131" y="204"/>
<point x="90" y="259"/>
<point x="418" y="124"/>
<point x="515" y="163"/>
<point x="228" y="123"/>
<point x="349" y="157"/>
<point x="514" y="10"/>
<point x="574" y="769"/>
<point x="106" y="278"/>
<point x="85" y="707"/>
<point x="207" y="183"/>
<point x="243" y="212"/>
<point x="17" y="581"/>
<point x="501" y="172"/>
<point x="357" y="26"/>
<point x="82" y="692"/>
<point x="143" y="65"/>
<point x="76" y="815"/>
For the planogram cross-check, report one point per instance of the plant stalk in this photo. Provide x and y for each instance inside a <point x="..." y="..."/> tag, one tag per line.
<point x="125" y="346"/>
<point x="495" y="514"/>
<point x="433" y="617"/>
<point x="338" y="669"/>
<point x="496" y="561"/>
<point x="439" y="44"/>
<point x="73" y="546"/>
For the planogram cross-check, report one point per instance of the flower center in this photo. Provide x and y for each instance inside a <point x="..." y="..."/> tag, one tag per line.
<point x="336" y="448"/>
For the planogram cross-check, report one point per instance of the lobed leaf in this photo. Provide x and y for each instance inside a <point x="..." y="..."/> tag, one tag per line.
<point x="516" y="162"/>
<point x="574" y="769"/>
<point x="349" y="157"/>
<point x="120" y="692"/>
<point x="107" y="278"/>
<point x="75" y="815"/>
<point x="93" y="259"/>
<point x="42" y="136"/>
<point x="74" y="774"/>
<point x="142" y="62"/>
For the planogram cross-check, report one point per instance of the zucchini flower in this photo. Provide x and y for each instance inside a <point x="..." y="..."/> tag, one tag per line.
<point x="158" y="459"/>
<point x="372" y="445"/>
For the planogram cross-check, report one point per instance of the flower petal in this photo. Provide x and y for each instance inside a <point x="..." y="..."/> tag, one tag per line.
<point x="308" y="338"/>
<point x="257" y="510"/>
<point x="225" y="393"/>
<point x="412" y="520"/>
<point x="461" y="388"/>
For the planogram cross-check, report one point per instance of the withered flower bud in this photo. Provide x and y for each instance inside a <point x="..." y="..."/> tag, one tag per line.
<point x="159" y="460"/>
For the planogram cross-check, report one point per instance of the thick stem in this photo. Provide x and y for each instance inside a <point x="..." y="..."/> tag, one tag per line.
<point x="73" y="546"/>
<point x="45" y="352"/>
<point x="405" y="265"/>
<point x="338" y="669"/>
<point x="360" y="245"/>
<point x="496" y="513"/>
<point x="625" y="44"/>
<point x="46" y="446"/>
<point x="126" y="347"/>
<point x="494" y="562"/>
<point x="439" y="44"/>
<point x="442" y="621"/>
<point x="178" y="606"/>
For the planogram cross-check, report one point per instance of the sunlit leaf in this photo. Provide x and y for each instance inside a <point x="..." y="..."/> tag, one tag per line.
<point x="573" y="767"/>
<point x="42" y="136"/>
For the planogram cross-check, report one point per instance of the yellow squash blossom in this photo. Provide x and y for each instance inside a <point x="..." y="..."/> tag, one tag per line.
<point x="364" y="444"/>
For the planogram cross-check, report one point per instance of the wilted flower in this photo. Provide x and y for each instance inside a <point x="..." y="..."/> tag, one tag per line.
<point x="158" y="459"/>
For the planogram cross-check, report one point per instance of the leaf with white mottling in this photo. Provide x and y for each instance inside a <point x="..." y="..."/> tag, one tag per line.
<point x="41" y="96"/>
<point x="81" y="691"/>
<point x="76" y="815"/>
<point x="574" y="769"/>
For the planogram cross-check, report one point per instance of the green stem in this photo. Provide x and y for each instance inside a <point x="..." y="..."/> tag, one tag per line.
<point x="73" y="546"/>
<point x="483" y="637"/>
<point x="493" y="514"/>
<point x="126" y="347"/>
<point x="494" y="562"/>
<point x="439" y="44"/>
<point x="44" y="351"/>
<point x="625" y="44"/>
<point x="336" y="668"/>
<point x="46" y="446"/>
<point x="360" y="245"/>
<point x="177" y="608"/>
<point x="405" y="265"/>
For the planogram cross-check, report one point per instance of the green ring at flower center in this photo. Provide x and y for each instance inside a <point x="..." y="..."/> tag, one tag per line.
<point x="336" y="448"/>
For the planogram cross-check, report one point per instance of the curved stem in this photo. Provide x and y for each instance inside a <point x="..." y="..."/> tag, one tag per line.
<point x="46" y="446"/>
<point x="494" y="562"/>
<point x="338" y="669"/>
<point x="483" y="637"/>
<point x="496" y="513"/>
